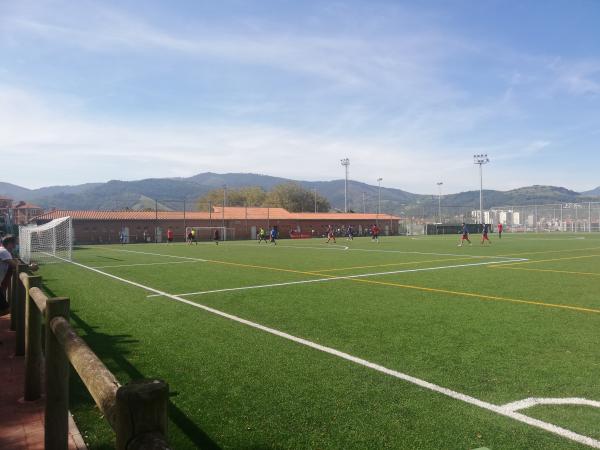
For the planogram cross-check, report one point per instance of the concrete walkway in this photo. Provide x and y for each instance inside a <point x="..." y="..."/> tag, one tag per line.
<point x="21" y="423"/>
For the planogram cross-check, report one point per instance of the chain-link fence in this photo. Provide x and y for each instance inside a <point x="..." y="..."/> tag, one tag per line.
<point x="569" y="217"/>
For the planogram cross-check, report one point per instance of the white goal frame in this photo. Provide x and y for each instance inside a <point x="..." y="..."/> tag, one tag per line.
<point x="207" y="233"/>
<point x="48" y="243"/>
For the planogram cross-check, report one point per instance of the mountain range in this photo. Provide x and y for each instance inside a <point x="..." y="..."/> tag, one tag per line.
<point x="168" y="193"/>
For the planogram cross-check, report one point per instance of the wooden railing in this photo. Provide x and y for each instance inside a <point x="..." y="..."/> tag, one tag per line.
<point x="137" y="411"/>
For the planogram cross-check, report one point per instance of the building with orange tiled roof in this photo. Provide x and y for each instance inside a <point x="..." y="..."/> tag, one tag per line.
<point x="23" y="212"/>
<point x="105" y="226"/>
<point x="12" y="214"/>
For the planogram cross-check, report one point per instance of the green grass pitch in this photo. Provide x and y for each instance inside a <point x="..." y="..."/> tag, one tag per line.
<point x="501" y="323"/>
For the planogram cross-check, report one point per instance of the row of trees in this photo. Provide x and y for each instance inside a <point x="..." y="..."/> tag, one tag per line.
<point x="290" y="196"/>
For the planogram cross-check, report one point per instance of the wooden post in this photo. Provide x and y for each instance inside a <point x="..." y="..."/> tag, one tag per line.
<point x="56" y="425"/>
<point x="10" y="296"/>
<point x="33" y="342"/>
<point x="142" y="415"/>
<point x="19" y="311"/>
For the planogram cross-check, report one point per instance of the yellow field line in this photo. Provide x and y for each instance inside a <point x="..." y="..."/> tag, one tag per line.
<point x="393" y="264"/>
<point x="552" y="251"/>
<point x="548" y="270"/>
<point x="535" y="261"/>
<point x="419" y="288"/>
<point x="480" y="296"/>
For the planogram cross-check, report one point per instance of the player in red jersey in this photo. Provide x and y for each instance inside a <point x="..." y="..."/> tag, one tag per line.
<point x="500" y="229"/>
<point x="330" y="234"/>
<point x="169" y="235"/>
<point x="375" y="233"/>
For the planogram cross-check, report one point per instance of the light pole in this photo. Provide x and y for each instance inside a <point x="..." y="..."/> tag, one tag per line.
<point x="224" y="203"/>
<point x="439" y="185"/>
<point x="346" y="164"/>
<point x="379" y="180"/>
<point x="481" y="160"/>
<point x="364" y="203"/>
<point x="315" y="189"/>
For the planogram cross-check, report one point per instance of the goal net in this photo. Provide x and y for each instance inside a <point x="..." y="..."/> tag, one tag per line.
<point x="47" y="243"/>
<point x="208" y="233"/>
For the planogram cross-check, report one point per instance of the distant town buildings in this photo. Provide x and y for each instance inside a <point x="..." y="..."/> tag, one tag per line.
<point x="14" y="214"/>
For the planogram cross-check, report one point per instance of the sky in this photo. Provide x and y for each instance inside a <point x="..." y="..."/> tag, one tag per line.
<point x="408" y="91"/>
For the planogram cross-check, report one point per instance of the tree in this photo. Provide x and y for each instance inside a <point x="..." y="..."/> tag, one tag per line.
<point x="244" y="196"/>
<point x="295" y="198"/>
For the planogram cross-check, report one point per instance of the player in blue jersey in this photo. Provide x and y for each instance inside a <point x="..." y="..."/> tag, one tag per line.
<point x="273" y="235"/>
<point x="465" y="235"/>
<point x="484" y="235"/>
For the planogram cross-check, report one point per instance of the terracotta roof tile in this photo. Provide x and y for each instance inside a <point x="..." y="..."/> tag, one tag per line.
<point x="231" y="213"/>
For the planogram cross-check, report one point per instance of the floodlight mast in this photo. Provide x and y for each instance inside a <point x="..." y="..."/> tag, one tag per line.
<point x="439" y="185"/>
<point x="379" y="180"/>
<point x="481" y="159"/>
<point x="346" y="163"/>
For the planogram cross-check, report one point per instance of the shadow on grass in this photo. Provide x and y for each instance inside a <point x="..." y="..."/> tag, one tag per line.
<point x="111" y="347"/>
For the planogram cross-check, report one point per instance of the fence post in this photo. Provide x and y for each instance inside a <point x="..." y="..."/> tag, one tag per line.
<point x="10" y="296"/>
<point x="19" y="311"/>
<point x="141" y="419"/>
<point x="33" y="342"/>
<point x="56" y="425"/>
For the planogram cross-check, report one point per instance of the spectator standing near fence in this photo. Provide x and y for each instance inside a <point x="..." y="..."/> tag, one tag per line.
<point x="7" y="265"/>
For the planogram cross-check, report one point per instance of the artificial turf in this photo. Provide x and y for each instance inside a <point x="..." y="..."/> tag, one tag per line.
<point x="499" y="332"/>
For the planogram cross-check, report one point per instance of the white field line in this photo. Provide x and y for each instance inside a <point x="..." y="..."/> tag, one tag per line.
<point x="512" y="259"/>
<point x="189" y="258"/>
<point x="340" y="277"/>
<point x="145" y="264"/>
<point x="533" y="401"/>
<point x="563" y="432"/>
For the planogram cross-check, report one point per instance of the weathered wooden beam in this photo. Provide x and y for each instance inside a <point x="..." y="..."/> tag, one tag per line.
<point x="98" y="380"/>
<point x="39" y="298"/>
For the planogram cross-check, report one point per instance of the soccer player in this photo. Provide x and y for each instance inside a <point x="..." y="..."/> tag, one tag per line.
<point x="500" y="229"/>
<point x="465" y="235"/>
<point x="273" y="235"/>
<point x="190" y="237"/>
<point x="330" y="234"/>
<point x="349" y="233"/>
<point x="262" y="235"/>
<point x="122" y="237"/>
<point x="484" y="236"/>
<point x="216" y="236"/>
<point x="194" y="237"/>
<point x="169" y="236"/>
<point x="375" y="233"/>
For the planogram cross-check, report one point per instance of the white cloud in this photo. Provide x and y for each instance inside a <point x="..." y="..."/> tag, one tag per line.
<point x="53" y="144"/>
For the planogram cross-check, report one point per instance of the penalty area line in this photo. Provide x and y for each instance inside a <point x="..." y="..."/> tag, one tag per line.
<point x="498" y="409"/>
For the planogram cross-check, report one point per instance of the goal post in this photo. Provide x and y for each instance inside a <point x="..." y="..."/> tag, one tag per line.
<point x="47" y="243"/>
<point x="208" y="233"/>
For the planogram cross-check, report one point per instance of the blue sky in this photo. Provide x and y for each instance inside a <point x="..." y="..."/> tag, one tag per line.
<point x="409" y="91"/>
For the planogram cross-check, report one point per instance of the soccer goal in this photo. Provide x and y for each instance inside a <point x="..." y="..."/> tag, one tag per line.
<point x="48" y="243"/>
<point x="208" y="233"/>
